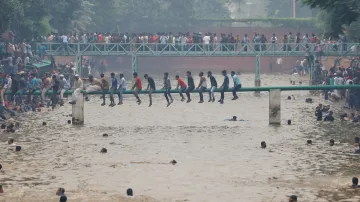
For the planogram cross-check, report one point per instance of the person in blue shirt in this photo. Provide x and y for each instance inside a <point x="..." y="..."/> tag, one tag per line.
<point x="114" y="84"/>
<point x="237" y="85"/>
<point x="33" y="86"/>
<point x="224" y="87"/>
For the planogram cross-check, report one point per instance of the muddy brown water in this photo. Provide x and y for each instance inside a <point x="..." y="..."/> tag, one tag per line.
<point x="217" y="160"/>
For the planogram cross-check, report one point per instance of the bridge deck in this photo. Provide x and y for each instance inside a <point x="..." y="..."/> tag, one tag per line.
<point x="245" y="89"/>
<point x="194" y="50"/>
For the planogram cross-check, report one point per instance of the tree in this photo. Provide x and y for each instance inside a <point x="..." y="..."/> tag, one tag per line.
<point x="338" y="15"/>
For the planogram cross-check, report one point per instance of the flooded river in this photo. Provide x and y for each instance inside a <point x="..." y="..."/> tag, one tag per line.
<point x="218" y="161"/>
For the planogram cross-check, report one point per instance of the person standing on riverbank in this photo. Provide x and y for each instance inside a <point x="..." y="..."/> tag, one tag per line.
<point x="191" y="85"/>
<point x="79" y="86"/>
<point x="3" y="85"/>
<point x="46" y="86"/>
<point x="167" y="88"/>
<point x="64" y="86"/>
<point x="151" y="87"/>
<point x="104" y="88"/>
<point x="202" y="86"/>
<point x="182" y="85"/>
<point x="137" y="86"/>
<point x="122" y="89"/>
<point x="224" y="87"/>
<point x="237" y="85"/>
<point x="213" y="84"/>
<point x="55" y="88"/>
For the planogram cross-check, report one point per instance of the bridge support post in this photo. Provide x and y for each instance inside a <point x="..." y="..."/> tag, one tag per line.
<point x="275" y="107"/>
<point x="257" y="73"/>
<point x="78" y="111"/>
<point x="134" y="64"/>
<point x="78" y="65"/>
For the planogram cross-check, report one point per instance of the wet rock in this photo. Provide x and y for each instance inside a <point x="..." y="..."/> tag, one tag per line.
<point x="309" y="100"/>
<point x="18" y="148"/>
<point x="357" y="140"/>
<point x="289" y="122"/>
<point x="309" y="142"/>
<point x="103" y="150"/>
<point x="332" y="142"/>
<point x="10" y="140"/>
<point x="129" y="192"/>
<point x="44" y="123"/>
<point x="105" y="135"/>
<point x="173" y="162"/>
<point x="263" y="144"/>
<point x="69" y="121"/>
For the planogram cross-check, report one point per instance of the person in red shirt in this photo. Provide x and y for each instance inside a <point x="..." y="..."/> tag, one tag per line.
<point x="182" y="86"/>
<point x="137" y="86"/>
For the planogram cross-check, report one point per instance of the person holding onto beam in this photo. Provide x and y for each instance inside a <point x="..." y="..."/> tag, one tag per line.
<point x="167" y="88"/>
<point x="202" y="86"/>
<point x="151" y="87"/>
<point x="213" y="86"/>
<point x="137" y="86"/>
<point x="191" y="85"/>
<point x="182" y="85"/>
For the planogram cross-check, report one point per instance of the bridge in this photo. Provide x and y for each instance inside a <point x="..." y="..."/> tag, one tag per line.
<point x="274" y="98"/>
<point x="193" y="50"/>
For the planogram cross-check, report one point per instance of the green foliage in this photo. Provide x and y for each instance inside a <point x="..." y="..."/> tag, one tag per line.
<point x="337" y="14"/>
<point x="39" y="17"/>
<point x="274" y="22"/>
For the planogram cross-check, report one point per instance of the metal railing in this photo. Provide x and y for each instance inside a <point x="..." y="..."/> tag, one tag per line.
<point x="229" y="49"/>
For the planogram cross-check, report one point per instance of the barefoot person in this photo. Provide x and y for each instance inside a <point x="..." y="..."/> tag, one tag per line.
<point x="64" y="86"/>
<point x="237" y="85"/>
<point x="167" y="88"/>
<point x="213" y="87"/>
<point x="94" y="85"/>
<point x="104" y="88"/>
<point x="46" y="86"/>
<point x="182" y="85"/>
<point x="202" y="86"/>
<point x="224" y="87"/>
<point x="114" y="84"/>
<point x="79" y="86"/>
<point x="137" y="86"/>
<point x="191" y="85"/>
<point x="122" y="89"/>
<point x="150" y="87"/>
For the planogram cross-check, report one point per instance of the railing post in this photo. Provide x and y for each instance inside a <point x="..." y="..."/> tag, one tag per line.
<point x="275" y="107"/>
<point x="78" y="111"/>
<point x="134" y="63"/>
<point x="78" y="64"/>
<point x="257" y="72"/>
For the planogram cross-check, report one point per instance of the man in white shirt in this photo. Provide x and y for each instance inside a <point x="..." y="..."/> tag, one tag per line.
<point x="122" y="88"/>
<point x="206" y="40"/>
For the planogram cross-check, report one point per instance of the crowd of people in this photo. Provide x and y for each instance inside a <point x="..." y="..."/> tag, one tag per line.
<point x="118" y="87"/>
<point x="183" y="41"/>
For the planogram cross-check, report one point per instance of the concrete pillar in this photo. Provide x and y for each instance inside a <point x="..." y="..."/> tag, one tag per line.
<point x="275" y="107"/>
<point x="78" y="111"/>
